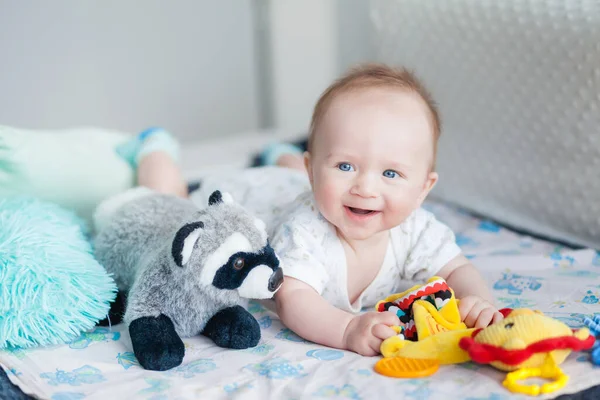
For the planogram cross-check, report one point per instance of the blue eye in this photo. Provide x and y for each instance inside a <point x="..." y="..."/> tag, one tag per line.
<point x="345" y="167"/>
<point x="388" y="173"/>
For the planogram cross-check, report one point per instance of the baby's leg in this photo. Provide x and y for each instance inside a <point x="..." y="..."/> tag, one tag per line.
<point x="154" y="154"/>
<point x="293" y="161"/>
<point x="158" y="171"/>
<point x="287" y="155"/>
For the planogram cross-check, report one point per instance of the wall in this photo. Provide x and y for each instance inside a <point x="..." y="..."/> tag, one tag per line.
<point x="354" y="33"/>
<point x="311" y="43"/>
<point x="187" y="65"/>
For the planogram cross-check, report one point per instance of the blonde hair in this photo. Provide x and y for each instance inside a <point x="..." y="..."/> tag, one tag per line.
<point x="375" y="76"/>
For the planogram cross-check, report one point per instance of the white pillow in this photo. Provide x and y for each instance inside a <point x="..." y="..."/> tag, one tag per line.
<point x="75" y="168"/>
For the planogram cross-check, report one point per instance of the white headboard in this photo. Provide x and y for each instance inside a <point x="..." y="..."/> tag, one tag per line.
<point x="518" y="85"/>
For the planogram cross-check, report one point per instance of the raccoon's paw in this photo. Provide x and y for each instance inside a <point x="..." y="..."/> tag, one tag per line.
<point x="156" y="345"/>
<point x="233" y="328"/>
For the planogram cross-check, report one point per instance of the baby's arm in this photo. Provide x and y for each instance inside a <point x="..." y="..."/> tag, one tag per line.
<point x="310" y="316"/>
<point x="476" y="303"/>
<point x="465" y="279"/>
<point x="434" y="252"/>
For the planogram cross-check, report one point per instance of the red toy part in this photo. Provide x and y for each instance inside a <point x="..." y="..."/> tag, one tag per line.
<point x="425" y="290"/>
<point x="486" y="353"/>
<point x="505" y="311"/>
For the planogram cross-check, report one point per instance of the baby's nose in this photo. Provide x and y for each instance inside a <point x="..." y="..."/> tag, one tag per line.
<point x="364" y="187"/>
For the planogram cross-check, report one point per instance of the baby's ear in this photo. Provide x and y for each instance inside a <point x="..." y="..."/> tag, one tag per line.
<point x="184" y="241"/>
<point x="306" y="157"/>
<point x="430" y="182"/>
<point x="218" y="197"/>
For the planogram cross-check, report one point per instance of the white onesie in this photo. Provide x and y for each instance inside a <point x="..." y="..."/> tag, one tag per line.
<point x="309" y="249"/>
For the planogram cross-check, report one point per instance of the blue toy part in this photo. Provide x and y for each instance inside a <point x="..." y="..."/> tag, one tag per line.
<point x="596" y="354"/>
<point x="396" y="310"/>
<point x="593" y="324"/>
<point x="399" y="331"/>
<point x="594" y="327"/>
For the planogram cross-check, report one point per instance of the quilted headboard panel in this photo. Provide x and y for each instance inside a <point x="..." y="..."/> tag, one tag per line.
<point x="518" y="85"/>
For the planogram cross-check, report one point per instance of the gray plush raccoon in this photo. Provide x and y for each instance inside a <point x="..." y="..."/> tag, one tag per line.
<point x="184" y="270"/>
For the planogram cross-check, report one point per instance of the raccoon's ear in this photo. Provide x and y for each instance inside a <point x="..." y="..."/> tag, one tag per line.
<point x="218" y="197"/>
<point x="184" y="241"/>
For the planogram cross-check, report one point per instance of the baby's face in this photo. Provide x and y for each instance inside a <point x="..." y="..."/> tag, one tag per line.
<point x="371" y="159"/>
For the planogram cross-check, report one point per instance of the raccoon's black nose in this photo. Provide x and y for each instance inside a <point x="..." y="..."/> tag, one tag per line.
<point x="275" y="280"/>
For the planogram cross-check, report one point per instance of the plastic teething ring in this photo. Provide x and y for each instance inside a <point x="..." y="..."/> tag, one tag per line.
<point x="401" y="367"/>
<point x="548" y="371"/>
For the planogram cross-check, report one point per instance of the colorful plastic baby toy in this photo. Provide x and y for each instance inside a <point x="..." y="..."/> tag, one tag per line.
<point x="526" y="343"/>
<point x="424" y="310"/>
<point x="594" y="327"/>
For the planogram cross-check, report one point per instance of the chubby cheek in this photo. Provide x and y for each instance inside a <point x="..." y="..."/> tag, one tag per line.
<point x="327" y="194"/>
<point x="400" y="205"/>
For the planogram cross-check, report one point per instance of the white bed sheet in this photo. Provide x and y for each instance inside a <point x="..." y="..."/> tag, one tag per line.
<point x="524" y="272"/>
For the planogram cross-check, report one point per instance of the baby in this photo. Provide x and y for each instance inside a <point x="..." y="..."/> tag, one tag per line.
<point x="360" y="235"/>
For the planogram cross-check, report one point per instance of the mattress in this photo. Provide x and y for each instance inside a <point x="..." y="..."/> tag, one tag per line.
<point x="523" y="271"/>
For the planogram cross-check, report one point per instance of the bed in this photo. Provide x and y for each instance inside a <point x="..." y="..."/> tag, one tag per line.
<point x="524" y="272"/>
<point x="517" y="82"/>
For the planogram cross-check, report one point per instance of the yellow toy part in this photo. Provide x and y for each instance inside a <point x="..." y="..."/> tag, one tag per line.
<point x="523" y="339"/>
<point x="442" y="346"/>
<point x="431" y="321"/>
<point x="549" y="370"/>
<point x="531" y="345"/>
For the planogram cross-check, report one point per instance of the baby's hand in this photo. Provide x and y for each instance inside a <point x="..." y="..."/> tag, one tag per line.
<point x="365" y="333"/>
<point x="477" y="312"/>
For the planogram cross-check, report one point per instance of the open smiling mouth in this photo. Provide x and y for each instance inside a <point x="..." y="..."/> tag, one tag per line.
<point x="360" y="211"/>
